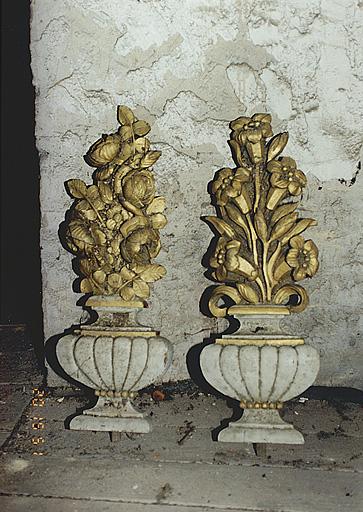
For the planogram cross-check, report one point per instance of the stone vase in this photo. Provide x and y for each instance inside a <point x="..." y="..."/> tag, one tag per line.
<point x="116" y="357"/>
<point x="262" y="367"/>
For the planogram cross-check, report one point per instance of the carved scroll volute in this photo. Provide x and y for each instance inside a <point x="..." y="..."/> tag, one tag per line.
<point x="260" y="253"/>
<point x="113" y="225"/>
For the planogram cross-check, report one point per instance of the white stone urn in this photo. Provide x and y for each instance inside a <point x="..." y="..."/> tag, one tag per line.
<point x="261" y="367"/>
<point x="116" y="357"/>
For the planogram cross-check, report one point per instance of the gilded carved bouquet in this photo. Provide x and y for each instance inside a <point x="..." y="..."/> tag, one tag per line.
<point x="113" y="225"/>
<point x="260" y="251"/>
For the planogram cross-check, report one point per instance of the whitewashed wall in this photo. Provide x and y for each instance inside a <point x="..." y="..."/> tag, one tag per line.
<point x="189" y="67"/>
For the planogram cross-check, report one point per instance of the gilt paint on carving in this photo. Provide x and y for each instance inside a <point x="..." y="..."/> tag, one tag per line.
<point x="113" y="225"/>
<point x="261" y="254"/>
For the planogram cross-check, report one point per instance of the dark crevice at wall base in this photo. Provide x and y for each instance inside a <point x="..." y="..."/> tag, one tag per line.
<point x="20" y="301"/>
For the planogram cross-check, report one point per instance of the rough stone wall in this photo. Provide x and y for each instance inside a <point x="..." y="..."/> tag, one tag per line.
<point x="189" y="67"/>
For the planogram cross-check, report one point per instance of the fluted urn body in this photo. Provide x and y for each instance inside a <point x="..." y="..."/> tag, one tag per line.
<point x="262" y="368"/>
<point x="116" y="357"/>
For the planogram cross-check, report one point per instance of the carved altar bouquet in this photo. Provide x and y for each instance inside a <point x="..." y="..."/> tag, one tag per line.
<point x="113" y="229"/>
<point x="260" y="255"/>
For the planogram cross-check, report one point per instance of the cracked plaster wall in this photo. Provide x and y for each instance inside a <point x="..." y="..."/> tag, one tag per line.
<point x="189" y="67"/>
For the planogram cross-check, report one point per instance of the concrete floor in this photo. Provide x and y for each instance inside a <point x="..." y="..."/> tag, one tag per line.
<point x="178" y="467"/>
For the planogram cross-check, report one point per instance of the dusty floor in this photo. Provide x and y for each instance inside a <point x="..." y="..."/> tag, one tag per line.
<point x="178" y="467"/>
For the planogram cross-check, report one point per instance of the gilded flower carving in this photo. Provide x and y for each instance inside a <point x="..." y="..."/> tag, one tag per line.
<point x="114" y="225"/>
<point x="303" y="258"/>
<point x="230" y="184"/>
<point x="139" y="188"/>
<point x="259" y="250"/>
<point x="226" y="259"/>
<point x="252" y="129"/>
<point x="285" y="175"/>
<point x="141" y="245"/>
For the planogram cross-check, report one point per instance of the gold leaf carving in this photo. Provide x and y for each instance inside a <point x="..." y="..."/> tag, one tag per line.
<point x="141" y="128"/>
<point x="150" y="273"/>
<point x="283" y="210"/>
<point x="150" y="158"/>
<point x="105" y="193"/>
<point x="157" y="205"/>
<point x="141" y="288"/>
<point x="221" y="226"/>
<point x="77" y="188"/>
<point x="247" y="292"/>
<point x="113" y="226"/>
<point x="277" y="145"/>
<point x="125" y="115"/>
<point x="261" y="226"/>
<point x="259" y="252"/>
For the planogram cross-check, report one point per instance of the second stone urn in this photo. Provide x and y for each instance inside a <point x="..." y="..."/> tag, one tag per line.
<point x="116" y="357"/>
<point x="262" y="367"/>
<point x="258" y="258"/>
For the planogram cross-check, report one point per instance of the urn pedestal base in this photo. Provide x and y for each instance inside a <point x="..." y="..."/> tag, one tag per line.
<point x="260" y="426"/>
<point x="112" y="415"/>
<point x="262" y="367"/>
<point x="115" y="356"/>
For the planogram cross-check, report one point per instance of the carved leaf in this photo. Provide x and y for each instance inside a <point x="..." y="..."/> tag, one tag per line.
<point x="99" y="236"/>
<point x="299" y="228"/>
<point x="150" y="273"/>
<point x="248" y="293"/>
<point x="272" y="261"/>
<point x="142" y="145"/>
<point x="85" y="267"/>
<point x="156" y="206"/>
<point x="99" y="276"/>
<point x="80" y="232"/>
<point x="283" y="210"/>
<point x="277" y="145"/>
<point x="261" y="226"/>
<point x="89" y="214"/>
<point x="236" y="216"/>
<point x="125" y="133"/>
<point x="141" y="288"/>
<point x="127" y="293"/>
<point x="158" y="221"/>
<point x="221" y="226"/>
<point x="141" y="128"/>
<point x="114" y="280"/>
<point x="126" y="274"/>
<point x="283" y="226"/>
<point x="150" y="158"/>
<point x="106" y="173"/>
<point x="105" y="193"/>
<point x="86" y="286"/>
<point x="125" y="115"/>
<point x="77" y="188"/>
<point x="124" y="154"/>
<point x="132" y="224"/>
<point x="94" y="198"/>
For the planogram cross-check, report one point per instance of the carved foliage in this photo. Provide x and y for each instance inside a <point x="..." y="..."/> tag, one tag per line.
<point x="113" y="226"/>
<point x="260" y="252"/>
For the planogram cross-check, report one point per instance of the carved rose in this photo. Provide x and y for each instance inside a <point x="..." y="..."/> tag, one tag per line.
<point x="139" y="188"/>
